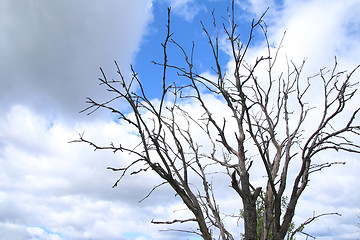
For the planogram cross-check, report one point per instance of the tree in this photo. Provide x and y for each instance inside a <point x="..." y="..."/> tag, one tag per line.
<point x="263" y="124"/>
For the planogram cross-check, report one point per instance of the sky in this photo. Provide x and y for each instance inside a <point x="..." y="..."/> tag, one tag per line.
<point x="50" y="54"/>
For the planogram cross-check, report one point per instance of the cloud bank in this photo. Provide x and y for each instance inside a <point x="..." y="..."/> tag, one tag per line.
<point x="51" y="51"/>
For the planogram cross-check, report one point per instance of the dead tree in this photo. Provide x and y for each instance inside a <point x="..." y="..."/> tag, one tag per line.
<point x="265" y="126"/>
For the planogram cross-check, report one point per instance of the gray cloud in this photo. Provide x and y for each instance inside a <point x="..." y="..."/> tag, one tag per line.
<point x="50" y="51"/>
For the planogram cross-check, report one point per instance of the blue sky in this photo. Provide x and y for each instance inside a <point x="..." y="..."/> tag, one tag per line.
<point x="187" y="30"/>
<point x="50" y="54"/>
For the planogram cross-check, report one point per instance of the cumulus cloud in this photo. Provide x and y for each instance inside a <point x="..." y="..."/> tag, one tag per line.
<point x="256" y="8"/>
<point x="51" y="189"/>
<point x="187" y="9"/>
<point x="317" y="31"/>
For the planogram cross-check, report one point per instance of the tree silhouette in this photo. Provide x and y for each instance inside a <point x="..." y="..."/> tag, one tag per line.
<point x="262" y="124"/>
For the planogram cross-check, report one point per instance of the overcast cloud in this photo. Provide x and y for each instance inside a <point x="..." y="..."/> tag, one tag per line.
<point x="50" y="53"/>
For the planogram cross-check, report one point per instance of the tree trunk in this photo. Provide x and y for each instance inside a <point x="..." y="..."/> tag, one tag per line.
<point x="249" y="204"/>
<point x="250" y="218"/>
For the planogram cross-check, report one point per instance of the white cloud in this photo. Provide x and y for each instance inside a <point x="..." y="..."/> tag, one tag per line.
<point x="256" y="8"/>
<point x="317" y="31"/>
<point x="40" y="233"/>
<point x="12" y="231"/>
<point x="187" y="9"/>
<point x="51" y="189"/>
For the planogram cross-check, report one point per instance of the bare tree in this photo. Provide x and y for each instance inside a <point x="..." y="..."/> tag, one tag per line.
<point x="266" y="127"/>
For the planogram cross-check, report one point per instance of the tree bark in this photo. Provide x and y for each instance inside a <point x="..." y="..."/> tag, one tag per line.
<point x="250" y="218"/>
<point x="249" y="202"/>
